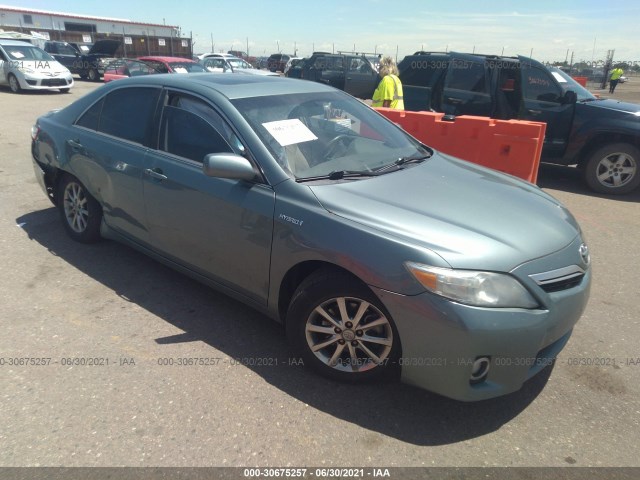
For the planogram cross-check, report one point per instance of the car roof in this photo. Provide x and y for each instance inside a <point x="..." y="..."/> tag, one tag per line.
<point x="231" y="86"/>
<point x="15" y="43"/>
<point x="167" y="59"/>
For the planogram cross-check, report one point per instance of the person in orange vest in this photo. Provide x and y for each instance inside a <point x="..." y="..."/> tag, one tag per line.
<point x="389" y="91"/>
<point x="616" y="73"/>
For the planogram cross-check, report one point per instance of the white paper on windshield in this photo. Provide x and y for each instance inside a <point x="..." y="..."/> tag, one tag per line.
<point x="17" y="54"/>
<point x="180" y="70"/>
<point x="289" y="132"/>
<point x="559" y="77"/>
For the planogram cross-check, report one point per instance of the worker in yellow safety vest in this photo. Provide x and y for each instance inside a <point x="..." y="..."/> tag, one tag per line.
<point x="389" y="91"/>
<point x="616" y="73"/>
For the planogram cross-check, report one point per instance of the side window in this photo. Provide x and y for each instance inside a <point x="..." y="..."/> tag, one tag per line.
<point x="468" y="76"/>
<point x="192" y="129"/>
<point x="91" y="117"/>
<point x="127" y="112"/>
<point x="423" y="72"/>
<point x="359" y="65"/>
<point x="66" y="50"/>
<point x="538" y="85"/>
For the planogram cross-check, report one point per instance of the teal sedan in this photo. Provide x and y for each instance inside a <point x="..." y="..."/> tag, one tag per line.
<point x="382" y="257"/>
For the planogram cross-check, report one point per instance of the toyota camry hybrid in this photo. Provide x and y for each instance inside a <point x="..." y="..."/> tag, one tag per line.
<point x="381" y="256"/>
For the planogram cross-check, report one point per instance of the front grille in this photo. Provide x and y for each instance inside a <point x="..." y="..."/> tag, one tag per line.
<point x="53" y="82"/>
<point x="560" y="279"/>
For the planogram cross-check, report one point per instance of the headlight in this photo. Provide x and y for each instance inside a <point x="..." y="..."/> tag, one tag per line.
<point x="480" y="289"/>
<point x="26" y="70"/>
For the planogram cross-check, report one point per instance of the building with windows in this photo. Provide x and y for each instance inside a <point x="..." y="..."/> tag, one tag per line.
<point x="138" y="38"/>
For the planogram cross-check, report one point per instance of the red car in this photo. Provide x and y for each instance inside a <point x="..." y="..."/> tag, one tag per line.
<point x="126" y="67"/>
<point x="173" y="64"/>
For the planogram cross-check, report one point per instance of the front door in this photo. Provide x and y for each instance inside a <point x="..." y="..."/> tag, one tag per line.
<point x="219" y="228"/>
<point x="361" y="79"/>
<point x="544" y="102"/>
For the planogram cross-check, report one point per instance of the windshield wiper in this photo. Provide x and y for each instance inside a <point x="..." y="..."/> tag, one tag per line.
<point x="340" y="174"/>
<point x="403" y="161"/>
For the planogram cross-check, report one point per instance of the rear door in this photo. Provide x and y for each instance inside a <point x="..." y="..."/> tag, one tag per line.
<point x="467" y="87"/>
<point x="361" y="79"/>
<point x="107" y="151"/>
<point x="544" y="102"/>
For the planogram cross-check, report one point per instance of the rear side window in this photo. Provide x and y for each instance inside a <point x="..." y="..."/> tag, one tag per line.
<point x="423" y="72"/>
<point x="127" y="113"/>
<point x="468" y="76"/>
<point x="91" y="117"/>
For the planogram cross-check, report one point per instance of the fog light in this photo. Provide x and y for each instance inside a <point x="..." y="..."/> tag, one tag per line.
<point x="480" y="369"/>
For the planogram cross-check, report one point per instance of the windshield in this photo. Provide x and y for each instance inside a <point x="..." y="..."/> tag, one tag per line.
<point x="317" y="134"/>
<point x="186" y="67"/>
<point x="567" y="83"/>
<point x="238" y="63"/>
<point x="27" y="53"/>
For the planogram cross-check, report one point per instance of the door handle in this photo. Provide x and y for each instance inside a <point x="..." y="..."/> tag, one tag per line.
<point x="455" y="101"/>
<point x="534" y="112"/>
<point x="155" y="173"/>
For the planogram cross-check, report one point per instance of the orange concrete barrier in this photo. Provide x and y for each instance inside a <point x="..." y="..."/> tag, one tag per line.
<point x="581" y="80"/>
<point x="510" y="146"/>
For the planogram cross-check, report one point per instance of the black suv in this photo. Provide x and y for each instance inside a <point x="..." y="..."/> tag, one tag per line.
<point x="353" y="73"/>
<point x="601" y="136"/>
<point x="90" y="65"/>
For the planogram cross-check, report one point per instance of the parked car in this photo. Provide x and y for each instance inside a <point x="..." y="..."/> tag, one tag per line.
<point x="127" y="67"/>
<point x="173" y="64"/>
<point x="225" y="64"/>
<point x="26" y="67"/>
<point x="87" y="65"/>
<point x="292" y="190"/>
<point x="601" y="136"/>
<point x="277" y="62"/>
<point x="349" y="72"/>
<point x="292" y="62"/>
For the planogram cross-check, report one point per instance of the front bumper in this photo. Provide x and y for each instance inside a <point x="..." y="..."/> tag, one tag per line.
<point x="29" y="81"/>
<point x="442" y="339"/>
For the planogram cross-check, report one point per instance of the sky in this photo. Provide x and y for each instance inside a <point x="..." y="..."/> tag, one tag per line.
<point x="544" y="29"/>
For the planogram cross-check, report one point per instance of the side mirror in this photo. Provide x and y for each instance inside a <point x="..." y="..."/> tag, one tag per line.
<point x="228" y="165"/>
<point x="569" y="97"/>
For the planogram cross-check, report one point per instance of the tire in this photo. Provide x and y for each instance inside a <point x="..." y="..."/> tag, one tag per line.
<point x="81" y="214"/>
<point x="335" y="343"/>
<point x="93" y="75"/>
<point x="65" y="90"/>
<point x="14" y="84"/>
<point x="613" y="169"/>
<point x="83" y="76"/>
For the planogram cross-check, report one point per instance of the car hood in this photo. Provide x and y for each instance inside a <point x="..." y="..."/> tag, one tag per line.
<point x="105" y="47"/>
<point x="611" y="104"/>
<point x="472" y="217"/>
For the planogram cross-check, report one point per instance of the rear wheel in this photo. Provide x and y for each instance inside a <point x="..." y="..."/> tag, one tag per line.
<point x="94" y="75"/>
<point x="14" y="84"/>
<point x="613" y="169"/>
<point x="81" y="214"/>
<point x="341" y="330"/>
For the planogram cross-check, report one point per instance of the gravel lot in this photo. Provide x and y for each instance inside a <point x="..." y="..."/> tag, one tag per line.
<point x="61" y="300"/>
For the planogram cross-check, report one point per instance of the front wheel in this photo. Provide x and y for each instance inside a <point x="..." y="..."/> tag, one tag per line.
<point x="14" y="84"/>
<point x="81" y="214"/>
<point x="341" y="330"/>
<point x="613" y="169"/>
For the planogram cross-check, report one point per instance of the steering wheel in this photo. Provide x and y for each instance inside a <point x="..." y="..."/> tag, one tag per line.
<point x="334" y="145"/>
